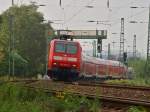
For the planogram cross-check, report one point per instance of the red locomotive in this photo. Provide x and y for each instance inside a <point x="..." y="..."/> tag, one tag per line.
<point x="66" y="61"/>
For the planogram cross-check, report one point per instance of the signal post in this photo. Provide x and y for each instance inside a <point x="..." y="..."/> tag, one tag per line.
<point x="85" y="34"/>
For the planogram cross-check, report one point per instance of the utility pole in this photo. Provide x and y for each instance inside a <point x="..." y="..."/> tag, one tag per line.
<point x="148" y="40"/>
<point x="109" y="51"/>
<point x="46" y="55"/>
<point x="10" y="40"/>
<point x="60" y="3"/>
<point x="134" y="47"/>
<point x="113" y="47"/>
<point x="121" y="40"/>
<point x="148" y="46"/>
<point x="12" y="2"/>
<point x="94" y="48"/>
<point x="13" y="41"/>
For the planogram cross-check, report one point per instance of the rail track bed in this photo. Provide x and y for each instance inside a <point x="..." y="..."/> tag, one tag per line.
<point x="122" y="96"/>
<point x="137" y="95"/>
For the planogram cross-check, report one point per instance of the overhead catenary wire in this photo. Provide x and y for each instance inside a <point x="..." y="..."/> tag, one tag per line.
<point x="79" y="11"/>
<point x="118" y="20"/>
<point x="138" y="13"/>
<point x="119" y="8"/>
<point x="68" y="19"/>
<point x="69" y="4"/>
<point x="113" y="24"/>
<point x="124" y="6"/>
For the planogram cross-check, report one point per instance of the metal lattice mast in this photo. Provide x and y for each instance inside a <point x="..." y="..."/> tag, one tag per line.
<point x="121" y="40"/>
<point x="148" y="41"/>
<point x="134" y="46"/>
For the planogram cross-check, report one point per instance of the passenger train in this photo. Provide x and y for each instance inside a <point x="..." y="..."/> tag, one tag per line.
<point x="67" y="62"/>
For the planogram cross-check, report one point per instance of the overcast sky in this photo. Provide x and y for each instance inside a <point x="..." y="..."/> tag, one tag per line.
<point x="74" y="15"/>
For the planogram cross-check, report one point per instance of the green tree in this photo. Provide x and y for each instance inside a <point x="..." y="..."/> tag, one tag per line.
<point x="25" y="25"/>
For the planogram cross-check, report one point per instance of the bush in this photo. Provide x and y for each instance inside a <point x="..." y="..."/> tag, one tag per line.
<point x="139" y="66"/>
<point x="14" y="98"/>
<point x="137" y="109"/>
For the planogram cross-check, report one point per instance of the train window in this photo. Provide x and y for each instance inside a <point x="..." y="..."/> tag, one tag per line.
<point x="71" y="49"/>
<point x="60" y="47"/>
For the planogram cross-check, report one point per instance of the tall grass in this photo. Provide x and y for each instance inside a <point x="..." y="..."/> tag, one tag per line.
<point x="141" y="73"/>
<point x="139" y="67"/>
<point x="137" y="109"/>
<point x="14" y="98"/>
<point x="17" y="99"/>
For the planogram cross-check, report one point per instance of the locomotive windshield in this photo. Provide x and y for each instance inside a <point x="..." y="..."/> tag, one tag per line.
<point x="69" y="48"/>
<point x="60" y="47"/>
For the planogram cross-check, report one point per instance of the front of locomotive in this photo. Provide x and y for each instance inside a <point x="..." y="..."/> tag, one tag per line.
<point x="64" y="59"/>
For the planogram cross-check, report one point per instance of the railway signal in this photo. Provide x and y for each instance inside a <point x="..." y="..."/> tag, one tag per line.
<point x="134" y="47"/>
<point x="125" y="58"/>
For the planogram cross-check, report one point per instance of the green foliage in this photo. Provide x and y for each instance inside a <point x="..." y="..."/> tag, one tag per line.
<point x="95" y="106"/>
<point x="134" y="82"/>
<point x="139" y="67"/>
<point x="136" y="109"/>
<point x="141" y="75"/>
<point x="4" y="65"/>
<point x="25" y="25"/>
<point x="18" y="57"/>
<point x="14" y="98"/>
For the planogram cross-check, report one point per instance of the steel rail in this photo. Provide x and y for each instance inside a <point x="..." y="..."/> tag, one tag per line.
<point x="83" y="83"/>
<point x="28" y="83"/>
<point x="102" y="97"/>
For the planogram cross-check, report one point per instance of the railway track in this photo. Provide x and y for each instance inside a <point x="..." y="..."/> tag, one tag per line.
<point x="24" y="81"/>
<point x="120" y="94"/>
<point x="133" y="95"/>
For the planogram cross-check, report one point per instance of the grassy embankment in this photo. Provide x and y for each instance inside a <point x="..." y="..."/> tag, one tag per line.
<point x="14" y="98"/>
<point x="140" y="78"/>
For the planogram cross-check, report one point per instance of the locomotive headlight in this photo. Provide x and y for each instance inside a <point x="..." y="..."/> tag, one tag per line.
<point x="72" y="59"/>
<point x="54" y="63"/>
<point x="74" y="65"/>
<point x="57" y="58"/>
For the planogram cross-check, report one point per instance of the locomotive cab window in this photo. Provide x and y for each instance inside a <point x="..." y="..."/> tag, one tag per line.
<point x="71" y="48"/>
<point x="66" y="48"/>
<point x="60" y="47"/>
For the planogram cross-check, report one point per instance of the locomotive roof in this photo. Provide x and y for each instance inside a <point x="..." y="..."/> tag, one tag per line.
<point x="58" y="40"/>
